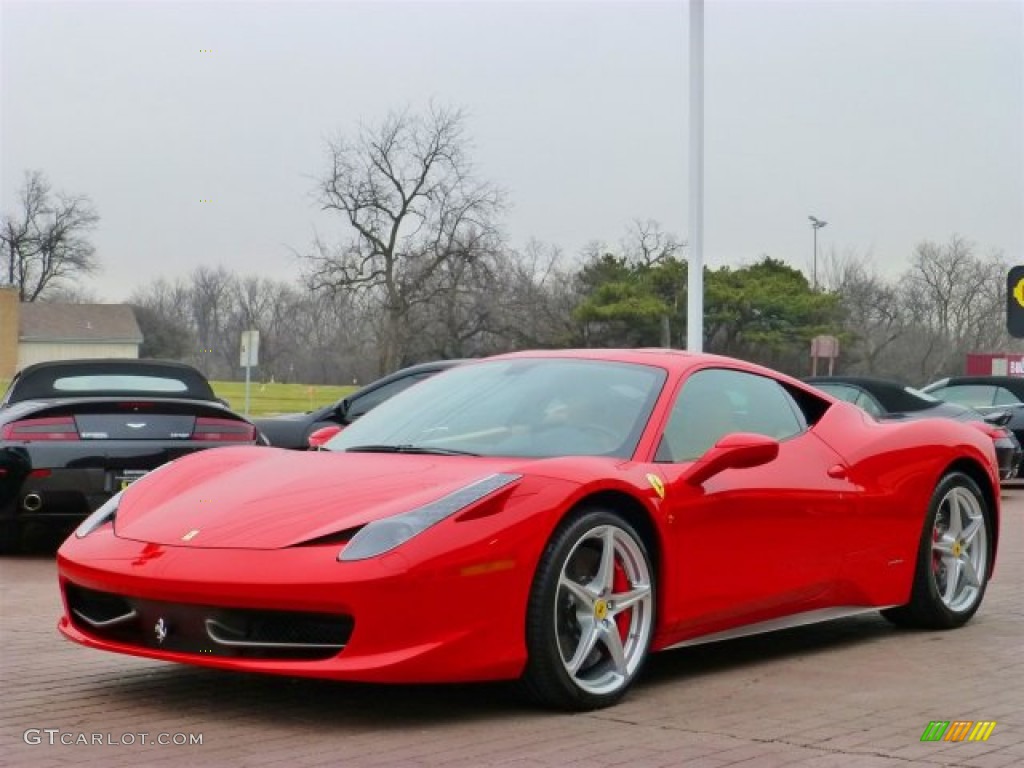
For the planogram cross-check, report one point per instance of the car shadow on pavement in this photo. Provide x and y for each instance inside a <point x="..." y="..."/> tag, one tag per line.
<point x="674" y="666"/>
<point x="224" y="694"/>
<point x="311" y="702"/>
<point x="43" y="541"/>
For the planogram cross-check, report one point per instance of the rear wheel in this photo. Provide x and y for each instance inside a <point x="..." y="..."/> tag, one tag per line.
<point x="591" y="613"/>
<point x="953" y="558"/>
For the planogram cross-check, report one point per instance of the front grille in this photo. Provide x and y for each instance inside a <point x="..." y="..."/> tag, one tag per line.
<point x="207" y="630"/>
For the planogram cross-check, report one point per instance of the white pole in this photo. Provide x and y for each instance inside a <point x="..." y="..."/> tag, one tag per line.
<point x="695" y="270"/>
<point x="247" y="369"/>
<point x="815" y="278"/>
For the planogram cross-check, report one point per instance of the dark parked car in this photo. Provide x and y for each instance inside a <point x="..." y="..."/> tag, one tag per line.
<point x="74" y="432"/>
<point x="885" y="399"/>
<point x="987" y="394"/>
<point x="293" y="430"/>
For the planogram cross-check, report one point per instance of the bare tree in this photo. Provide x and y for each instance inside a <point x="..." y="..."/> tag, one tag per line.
<point x="956" y="300"/>
<point x="162" y="336"/>
<point x="405" y="189"/>
<point x="647" y="245"/>
<point x="535" y="295"/>
<point x="303" y="337"/>
<point x="45" y="242"/>
<point x="874" y="316"/>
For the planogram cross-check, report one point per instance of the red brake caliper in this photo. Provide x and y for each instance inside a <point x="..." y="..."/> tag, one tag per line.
<point x="936" y="558"/>
<point x="620" y="583"/>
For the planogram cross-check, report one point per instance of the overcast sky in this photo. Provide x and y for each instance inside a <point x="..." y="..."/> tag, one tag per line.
<point x="894" y="121"/>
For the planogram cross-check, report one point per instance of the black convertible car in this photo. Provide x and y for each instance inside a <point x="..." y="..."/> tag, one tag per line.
<point x="988" y="394"/>
<point x="885" y="399"/>
<point x="293" y="430"/>
<point x="73" y="433"/>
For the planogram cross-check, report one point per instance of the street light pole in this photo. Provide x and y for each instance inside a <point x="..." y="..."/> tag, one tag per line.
<point x="695" y="269"/>
<point x="816" y="224"/>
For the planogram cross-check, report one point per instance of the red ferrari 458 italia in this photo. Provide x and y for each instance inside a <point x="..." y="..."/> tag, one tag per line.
<point x="547" y="517"/>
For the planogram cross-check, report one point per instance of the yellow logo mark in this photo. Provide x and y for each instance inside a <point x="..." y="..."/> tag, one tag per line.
<point x="657" y="485"/>
<point x="600" y="610"/>
<point x="190" y="535"/>
<point x="1018" y="292"/>
<point x="982" y="730"/>
<point x="957" y="549"/>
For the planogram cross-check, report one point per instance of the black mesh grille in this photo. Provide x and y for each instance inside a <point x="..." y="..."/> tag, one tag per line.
<point x="208" y="630"/>
<point x="98" y="607"/>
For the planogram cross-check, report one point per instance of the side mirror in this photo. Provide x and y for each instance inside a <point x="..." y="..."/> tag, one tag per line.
<point x="341" y="410"/>
<point x="739" y="450"/>
<point x="318" y="438"/>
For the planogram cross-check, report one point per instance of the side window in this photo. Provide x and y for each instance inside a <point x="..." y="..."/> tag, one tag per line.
<point x="972" y="395"/>
<point x="869" y="404"/>
<point x="839" y="391"/>
<point x="366" y="403"/>
<point x="1005" y="397"/>
<point x="716" y="402"/>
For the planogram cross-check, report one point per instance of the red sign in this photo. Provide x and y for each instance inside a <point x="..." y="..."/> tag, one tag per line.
<point x="825" y="346"/>
<point x="995" y="364"/>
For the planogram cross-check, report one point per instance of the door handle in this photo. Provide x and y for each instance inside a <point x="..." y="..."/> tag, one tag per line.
<point x="837" y="471"/>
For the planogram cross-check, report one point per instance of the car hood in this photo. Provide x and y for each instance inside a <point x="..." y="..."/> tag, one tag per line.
<point x="268" y="498"/>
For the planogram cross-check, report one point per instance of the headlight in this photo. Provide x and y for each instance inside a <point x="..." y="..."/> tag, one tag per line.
<point x="384" y="535"/>
<point x="99" y="517"/>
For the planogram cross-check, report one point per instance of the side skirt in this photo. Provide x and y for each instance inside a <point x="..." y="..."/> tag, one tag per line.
<point x="783" y="622"/>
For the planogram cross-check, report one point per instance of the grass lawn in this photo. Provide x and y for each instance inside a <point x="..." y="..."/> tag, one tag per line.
<point x="269" y="399"/>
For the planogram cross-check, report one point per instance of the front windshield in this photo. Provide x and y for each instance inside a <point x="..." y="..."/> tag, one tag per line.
<point x="531" y="407"/>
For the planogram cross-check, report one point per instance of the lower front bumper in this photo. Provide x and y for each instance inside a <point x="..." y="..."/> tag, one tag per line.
<point x="433" y="622"/>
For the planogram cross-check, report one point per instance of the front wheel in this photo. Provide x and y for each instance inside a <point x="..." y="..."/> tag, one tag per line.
<point x="953" y="558"/>
<point x="591" y="613"/>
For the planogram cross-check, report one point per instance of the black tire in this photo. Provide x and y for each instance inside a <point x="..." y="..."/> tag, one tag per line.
<point x="553" y="622"/>
<point x="927" y="608"/>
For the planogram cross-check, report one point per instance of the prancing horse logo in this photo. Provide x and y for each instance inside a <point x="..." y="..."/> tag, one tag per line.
<point x="161" y="630"/>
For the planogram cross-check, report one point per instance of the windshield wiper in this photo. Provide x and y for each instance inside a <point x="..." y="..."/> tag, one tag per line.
<point x="408" y="448"/>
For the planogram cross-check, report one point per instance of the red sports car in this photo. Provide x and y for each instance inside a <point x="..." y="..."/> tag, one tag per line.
<point x="551" y="517"/>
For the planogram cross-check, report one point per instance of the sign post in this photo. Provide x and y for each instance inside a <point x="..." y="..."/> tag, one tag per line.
<point x="250" y="355"/>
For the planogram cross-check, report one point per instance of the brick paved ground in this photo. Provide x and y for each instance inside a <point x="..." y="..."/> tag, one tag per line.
<point x="844" y="695"/>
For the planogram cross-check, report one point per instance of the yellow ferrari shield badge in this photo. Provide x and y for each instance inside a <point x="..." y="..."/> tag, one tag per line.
<point x="657" y="485"/>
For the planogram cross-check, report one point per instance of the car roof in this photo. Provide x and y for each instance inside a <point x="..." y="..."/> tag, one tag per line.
<point x="677" y="360"/>
<point x="892" y="394"/>
<point x="430" y="367"/>
<point x="1013" y="383"/>
<point x="109" y="362"/>
<point x="861" y="381"/>
<point x="37" y="381"/>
